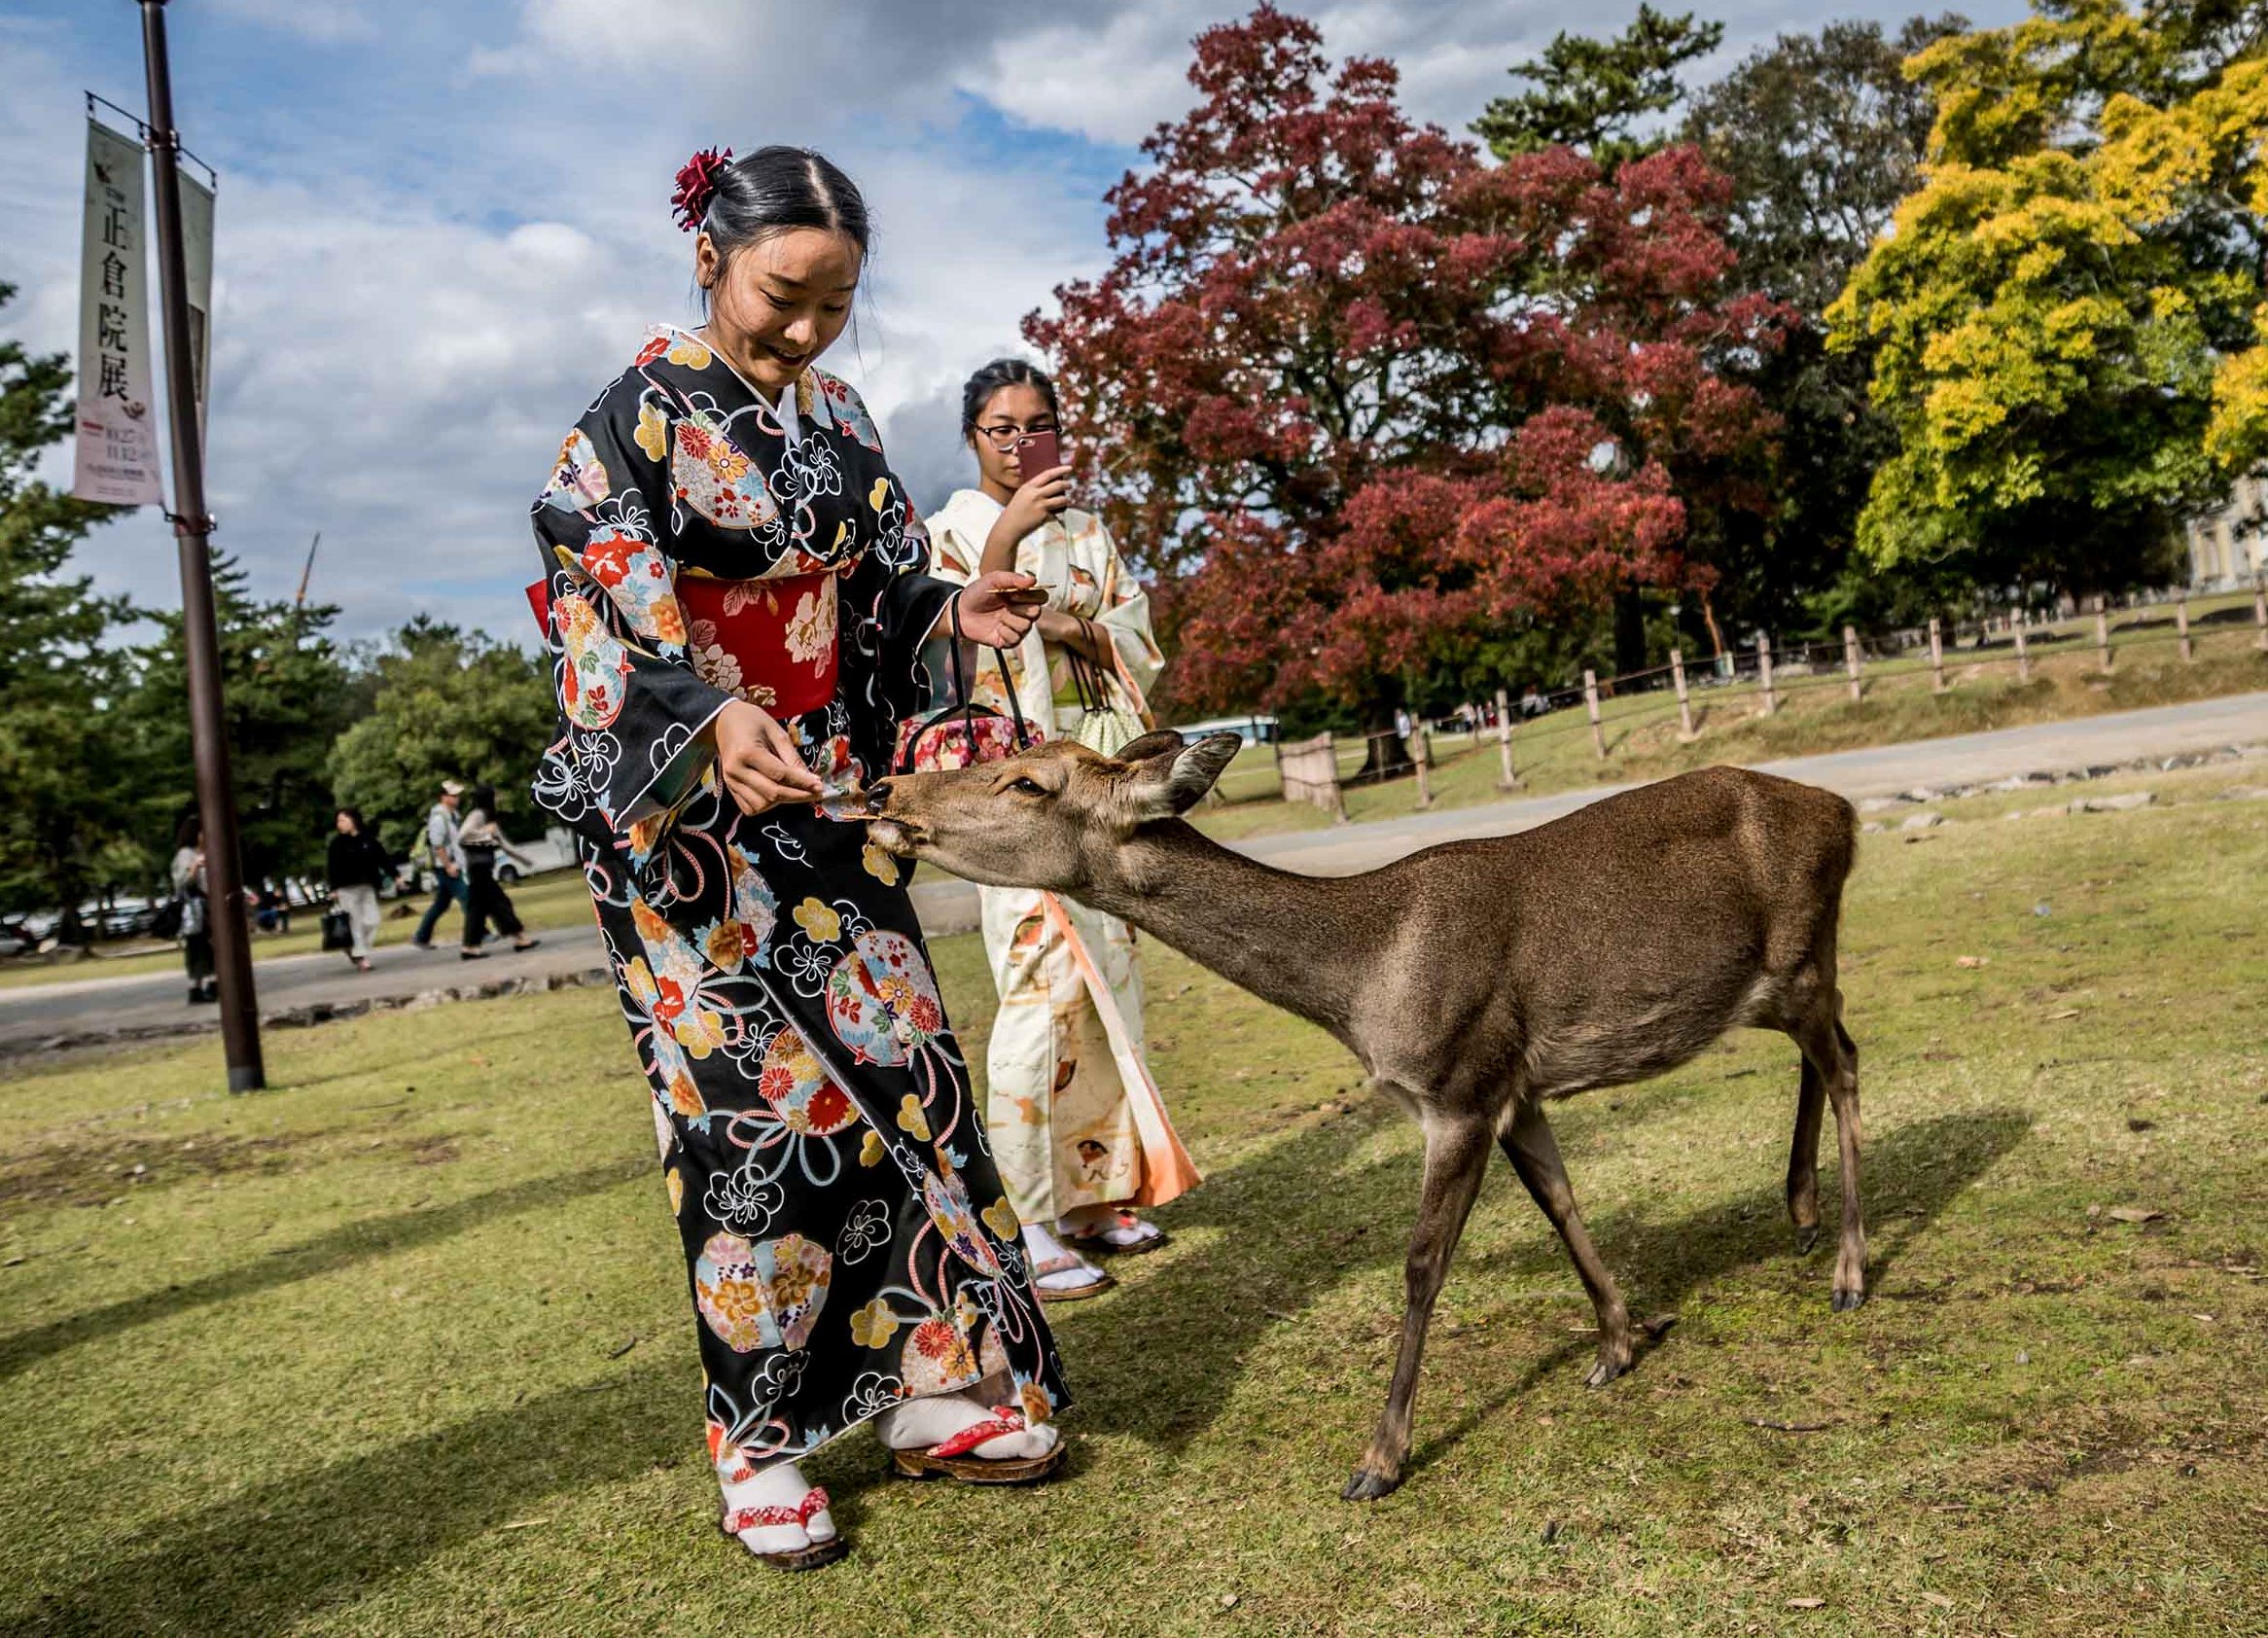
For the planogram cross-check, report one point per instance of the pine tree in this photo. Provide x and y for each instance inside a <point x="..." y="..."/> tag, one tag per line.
<point x="65" y="820"/>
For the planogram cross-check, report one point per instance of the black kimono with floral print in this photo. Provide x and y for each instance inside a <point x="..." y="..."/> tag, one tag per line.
<point x="847" y="1237"/>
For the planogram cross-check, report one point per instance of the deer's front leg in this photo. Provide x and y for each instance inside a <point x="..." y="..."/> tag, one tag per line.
<point x="1456" y="1156"/>
<point x="1535" y="1154"/>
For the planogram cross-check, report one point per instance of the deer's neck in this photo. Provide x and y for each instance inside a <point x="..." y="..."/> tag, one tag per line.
<point x="1305" y="943"/>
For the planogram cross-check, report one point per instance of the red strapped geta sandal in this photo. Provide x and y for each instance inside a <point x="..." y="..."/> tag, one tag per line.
<point x="950" y="1458"/>
<point x="1103" y="1280"/>
<point x="1096" y="1238"/>
<point x="810" y="1557"/>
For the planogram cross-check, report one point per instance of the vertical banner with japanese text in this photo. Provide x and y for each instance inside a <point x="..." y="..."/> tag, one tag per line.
<point x="118" y="424"/>
<point x="197" y="244"/>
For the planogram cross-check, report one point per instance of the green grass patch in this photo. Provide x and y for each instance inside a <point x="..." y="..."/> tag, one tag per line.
<point x="403" y="1346"/>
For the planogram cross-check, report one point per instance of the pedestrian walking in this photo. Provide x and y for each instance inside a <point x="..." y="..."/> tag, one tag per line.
<point x="479" y="841"/>
<point x="736" y="605"/>
<point x="1078" y="1129"/>
<point x="196" y="921"/>
<point x="447" y="859"/>
<point x="354" y="864"/>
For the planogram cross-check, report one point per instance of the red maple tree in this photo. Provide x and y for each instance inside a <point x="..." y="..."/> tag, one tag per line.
<point x="1354" y="397"/>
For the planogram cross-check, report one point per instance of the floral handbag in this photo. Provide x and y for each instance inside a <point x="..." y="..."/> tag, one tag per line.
<point x="965" y="732"/>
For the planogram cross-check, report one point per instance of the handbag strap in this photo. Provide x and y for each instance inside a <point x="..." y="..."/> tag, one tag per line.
<point x="1086" y="679"/>
<point x="1015" y="709"/>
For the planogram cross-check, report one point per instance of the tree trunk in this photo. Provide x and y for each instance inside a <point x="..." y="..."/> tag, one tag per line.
<point x="1629" y="631"/>
<point x="1385" y="755"/>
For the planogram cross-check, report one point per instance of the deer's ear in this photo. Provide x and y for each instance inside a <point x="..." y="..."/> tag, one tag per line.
<point x="1155" y="743"/>
<point x="1170" y="774"/>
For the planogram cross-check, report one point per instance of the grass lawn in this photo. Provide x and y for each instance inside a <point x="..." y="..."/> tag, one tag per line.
<point x="403" y="1345"/>
<point x="555" y="899"/>
<point x="1815" y="714"/>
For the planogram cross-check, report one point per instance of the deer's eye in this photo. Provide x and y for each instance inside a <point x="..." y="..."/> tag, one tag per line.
<point x="1028" y="787"/>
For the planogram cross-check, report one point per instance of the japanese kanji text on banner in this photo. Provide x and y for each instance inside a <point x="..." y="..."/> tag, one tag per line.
<point x="117" y="425"/>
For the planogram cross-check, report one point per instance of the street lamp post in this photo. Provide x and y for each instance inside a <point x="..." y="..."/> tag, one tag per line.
<point x="199" y="629"/>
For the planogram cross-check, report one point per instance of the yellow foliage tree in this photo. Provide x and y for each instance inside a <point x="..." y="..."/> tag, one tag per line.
<point x="2070" y="313"/>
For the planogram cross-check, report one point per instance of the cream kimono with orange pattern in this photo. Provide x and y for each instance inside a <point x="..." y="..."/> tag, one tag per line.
<point x="1066" y="1106"/>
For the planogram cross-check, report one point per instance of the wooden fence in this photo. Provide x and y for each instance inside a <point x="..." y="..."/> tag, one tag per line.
<point x="1309" y="769"/>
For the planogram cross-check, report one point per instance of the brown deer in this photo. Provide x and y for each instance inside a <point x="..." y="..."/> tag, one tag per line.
<point x="1475" y="981"/>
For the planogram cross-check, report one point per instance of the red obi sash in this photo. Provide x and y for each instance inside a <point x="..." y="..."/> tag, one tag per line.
<point x="771" y="641"/>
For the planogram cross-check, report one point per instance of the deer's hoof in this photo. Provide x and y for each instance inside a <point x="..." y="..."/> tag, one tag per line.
<point x="1369" y="1487"/>
<point x="1805" y="1238"/>
<point x="1605" y="1371"/>
<point x="1846" y="1300"/>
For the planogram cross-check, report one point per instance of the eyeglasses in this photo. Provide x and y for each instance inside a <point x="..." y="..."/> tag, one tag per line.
<point x="1006" y="436"/>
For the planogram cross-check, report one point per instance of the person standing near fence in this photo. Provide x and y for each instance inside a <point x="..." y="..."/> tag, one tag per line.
<point x="1076" y="1124"/>
<point x="478" y="843"/>
<point x="188" y="873"/>
<point x="447" y="858"/>
<point x="354" y="864"/>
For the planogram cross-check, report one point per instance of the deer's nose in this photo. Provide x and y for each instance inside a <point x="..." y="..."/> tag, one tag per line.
<point x="878" y="796"/>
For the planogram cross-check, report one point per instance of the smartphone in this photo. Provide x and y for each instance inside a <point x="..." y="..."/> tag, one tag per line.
<point x="1038" y="453"/>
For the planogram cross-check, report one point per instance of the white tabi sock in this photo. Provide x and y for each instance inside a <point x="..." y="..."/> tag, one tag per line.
<point x="919" y="1423"/>
<point x="1043" y="1247"/>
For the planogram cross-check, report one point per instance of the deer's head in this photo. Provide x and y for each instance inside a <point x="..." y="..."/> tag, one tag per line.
<point x="1056" y="817"/>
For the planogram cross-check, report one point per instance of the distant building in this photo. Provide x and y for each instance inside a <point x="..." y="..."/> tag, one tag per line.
<point x="2229" y="547"/>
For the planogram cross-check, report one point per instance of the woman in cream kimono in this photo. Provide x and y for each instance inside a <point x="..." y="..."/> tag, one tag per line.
<point x="1078" y="1130"/>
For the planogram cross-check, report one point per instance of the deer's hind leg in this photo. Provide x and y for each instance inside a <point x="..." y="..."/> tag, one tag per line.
<point x="1830" y="1061"/>
<point x="1811" y="1101"/>
<point x="1456" y="1156"/>
<point x="1535" y="1154"/>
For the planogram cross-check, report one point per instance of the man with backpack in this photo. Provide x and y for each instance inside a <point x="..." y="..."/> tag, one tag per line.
<point x="446" y="855"/>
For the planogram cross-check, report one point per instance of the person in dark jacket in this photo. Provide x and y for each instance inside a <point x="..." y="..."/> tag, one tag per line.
<point x="356" y="863"/>
<point x="484" y="898"/>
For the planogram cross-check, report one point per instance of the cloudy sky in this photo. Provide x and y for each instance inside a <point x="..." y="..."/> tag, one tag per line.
<point x="443" y="227"/>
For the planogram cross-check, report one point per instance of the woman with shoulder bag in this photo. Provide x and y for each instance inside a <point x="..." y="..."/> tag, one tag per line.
<point x="1077" y="1123"/>
<point x="188" y="875"/>
<point x="354" y="864"/>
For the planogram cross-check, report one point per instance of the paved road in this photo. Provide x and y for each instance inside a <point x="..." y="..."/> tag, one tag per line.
<point x="31" y="1015"/>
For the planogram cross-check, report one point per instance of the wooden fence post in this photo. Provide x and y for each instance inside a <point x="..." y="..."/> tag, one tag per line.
<point x="1503" y="741"/>
<point x="2023" y="654"/>
<point x="2260" y="609"/>
<point x="1850" y="660"/>
<point x="2182" y="626"/>
<point x="1684" y="702"/>
<point x="1764" y="672"/>
<point x="2101" y="631"/>
<point x="1936" y="657"/>
<point x="1591" y="705"/>
<point x="1310" y="773"/>
<point x="1421" y="753"/>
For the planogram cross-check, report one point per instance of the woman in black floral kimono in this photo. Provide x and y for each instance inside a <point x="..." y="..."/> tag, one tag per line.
<point x="734" y="606"/>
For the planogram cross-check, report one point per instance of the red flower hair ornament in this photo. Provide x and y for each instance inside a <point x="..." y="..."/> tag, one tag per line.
<point x="696" y="185"/>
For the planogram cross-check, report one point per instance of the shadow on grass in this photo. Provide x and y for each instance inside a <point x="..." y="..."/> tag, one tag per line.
<point x="1291" y="1227"/>
<point x="1285" y="1242"/>
<point x="1908" y="1176"/>
<point x="348" y="1244"/>
<point x="291" y="1546"/>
